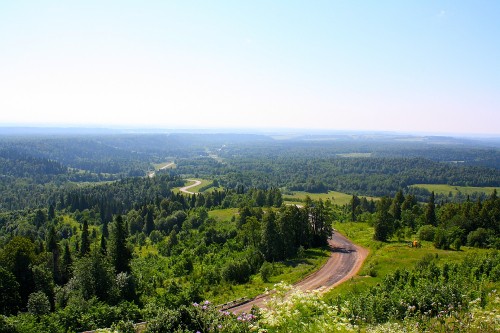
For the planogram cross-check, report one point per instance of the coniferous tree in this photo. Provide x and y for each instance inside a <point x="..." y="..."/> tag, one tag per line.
<point x="119" y="252"/>
<point x="51" y="213"/>
<point x="150" y="224"/>
<point x="430" y="212"/>
<point x="53" y="248"/>
<point x="67" y="261"/>
<point x="384" y="220"/>
<point x="85" y="244"/>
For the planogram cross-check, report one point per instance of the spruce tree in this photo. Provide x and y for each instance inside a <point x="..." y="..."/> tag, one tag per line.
<point x="85" y="245"/>
<point x="119" y="252"/>
<point x="430" y="212"/>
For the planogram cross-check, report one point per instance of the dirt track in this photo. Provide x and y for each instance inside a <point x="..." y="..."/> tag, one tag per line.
<point x="345" y="261"/>
<point x="186" y="188"/>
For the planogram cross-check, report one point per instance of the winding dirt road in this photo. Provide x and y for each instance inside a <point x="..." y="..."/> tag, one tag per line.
<point x="345" y="261"/>
<point x="186" y="188"/>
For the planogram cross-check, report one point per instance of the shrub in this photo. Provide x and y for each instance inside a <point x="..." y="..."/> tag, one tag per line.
<point x="266" y="271"/>
<point x="427" y="233"/>
<point x="38" y="303"/>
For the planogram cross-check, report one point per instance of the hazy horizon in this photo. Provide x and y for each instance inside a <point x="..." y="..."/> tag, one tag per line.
<point x="427" y="67"/>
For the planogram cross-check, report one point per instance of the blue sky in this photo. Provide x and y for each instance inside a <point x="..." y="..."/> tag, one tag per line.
<point x="409" y="66"/>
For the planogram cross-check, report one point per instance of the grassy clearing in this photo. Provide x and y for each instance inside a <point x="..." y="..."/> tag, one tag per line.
<point x="164" y="165"/>
<point x="196" y="189"/>
<point x="385" y="258"/>
<point x="338" y="198"/>
<point x="223" y="214"/>
<point x="446" y="189"/>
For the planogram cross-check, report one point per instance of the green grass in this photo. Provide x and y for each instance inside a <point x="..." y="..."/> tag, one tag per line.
<point x="290" y="271"/>
<point x="195" y="189"/>
<point x="446" y="189"/>
<point x="385" y="258"/>
<point x="168" y="165"/>
<point x="338" y="198"/>
<point x="223" y="214"/>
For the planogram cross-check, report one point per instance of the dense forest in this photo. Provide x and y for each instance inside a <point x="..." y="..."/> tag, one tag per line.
<point x="94" y="234"/>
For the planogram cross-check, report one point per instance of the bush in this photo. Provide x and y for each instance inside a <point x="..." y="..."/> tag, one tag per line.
<point x="237" y="271"/>
<point x="38" y="303"/>
<point x="266" y="271"/>
<point x="427" y="233"/>
<point x="478" y="238"/>
<point x="441" y="240"/>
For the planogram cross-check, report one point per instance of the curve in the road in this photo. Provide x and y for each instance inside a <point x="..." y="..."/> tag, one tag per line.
<point x="185" y="189"/>
<point x="345" y="261"/>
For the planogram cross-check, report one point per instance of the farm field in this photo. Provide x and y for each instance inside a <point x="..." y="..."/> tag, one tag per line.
<point x="446" y="189"/>
<point x="338" y="198"/>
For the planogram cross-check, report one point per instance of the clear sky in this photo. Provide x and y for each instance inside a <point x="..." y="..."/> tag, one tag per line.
<point x="426" y="66"/>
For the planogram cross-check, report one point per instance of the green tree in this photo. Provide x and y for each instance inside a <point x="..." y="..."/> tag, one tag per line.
<point x="10" y="301"/>
<point x="119" y="251"/>
<point x="39" y="218"/>
<point x="85" y="243"/>
<point x="17" y="256"/>
<point x="93" y="276"/>
<point x="430" y="211"/>
<point x="67" y="261"/>
<point x="271" y="245"/>
<point x="383" y="222"/>
<point x="320" y="217"/>
<point x="38" y="303"/>
<point x="150" y="224"/>
<point x="354" y="204"/>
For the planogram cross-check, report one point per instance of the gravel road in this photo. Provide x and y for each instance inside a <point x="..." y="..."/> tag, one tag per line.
<point x="345" y="260"/>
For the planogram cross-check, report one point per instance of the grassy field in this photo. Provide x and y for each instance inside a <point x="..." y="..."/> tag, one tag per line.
<point x="386" y="257"/>
<point x="223" y="214"/>
<point x="195" y="189"/>
<point x="338" y="198"/>
<point x="166" y="165"/>
<point x="446" y="189"/>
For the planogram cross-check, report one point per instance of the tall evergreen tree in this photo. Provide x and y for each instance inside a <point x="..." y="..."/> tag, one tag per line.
<point x="150" y="224"/>
<point x="51" y="213"/>
<point x="119" y="252"/>
<point x="384" y="221"/>
<point x="53" y="248"/>
<point x="430" y="212"/>
<point x="397" y="202"/>
<point x="85" y="245"/>
<point x="67" y="261"/>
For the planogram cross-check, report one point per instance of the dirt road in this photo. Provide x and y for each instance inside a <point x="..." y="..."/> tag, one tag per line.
<point x="186" y="188"/>
<point x="345" y="261"/>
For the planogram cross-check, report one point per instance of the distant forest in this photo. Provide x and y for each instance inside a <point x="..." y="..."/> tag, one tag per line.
<point x="34" y="168"/>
